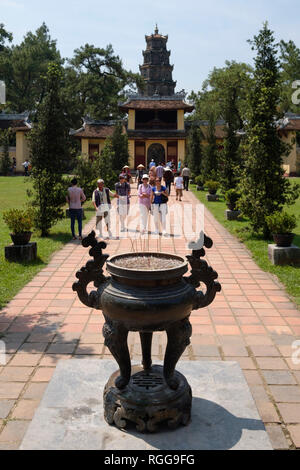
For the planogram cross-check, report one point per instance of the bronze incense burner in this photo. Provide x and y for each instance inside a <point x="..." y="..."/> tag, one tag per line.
<point x="146" y="300"/>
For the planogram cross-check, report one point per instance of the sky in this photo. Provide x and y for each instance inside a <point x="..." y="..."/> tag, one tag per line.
<point x="202" y="34"/>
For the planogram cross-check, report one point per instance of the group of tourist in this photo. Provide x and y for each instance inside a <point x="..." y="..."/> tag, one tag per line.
<point x="152" y="197"/>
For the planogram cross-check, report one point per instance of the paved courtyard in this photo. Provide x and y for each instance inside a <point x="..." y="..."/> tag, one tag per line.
<point x="252" y="321"/>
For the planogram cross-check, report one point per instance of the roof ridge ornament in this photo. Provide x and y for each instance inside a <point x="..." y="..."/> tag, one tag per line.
<point x="156" y="29"/>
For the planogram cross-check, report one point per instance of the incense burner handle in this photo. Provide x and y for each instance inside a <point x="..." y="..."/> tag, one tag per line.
<point x="201" y="272"/>
<point x="92" y="272"/>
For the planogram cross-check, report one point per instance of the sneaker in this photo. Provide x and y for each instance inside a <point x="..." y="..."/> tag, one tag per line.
<point x="164" y="233"/>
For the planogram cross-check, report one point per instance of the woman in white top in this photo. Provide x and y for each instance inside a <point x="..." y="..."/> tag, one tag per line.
<point x="178" y="186"/>
<point x="144" y="195"/>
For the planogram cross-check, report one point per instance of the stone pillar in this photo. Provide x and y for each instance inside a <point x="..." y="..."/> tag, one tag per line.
<point x="21" y="151"/>
<point x="85" y="147"/>
<point x="180" y="120"/>
<point x="131" y="119"/>
<point x="181" y="150"/>
<point x="131" y="153"/>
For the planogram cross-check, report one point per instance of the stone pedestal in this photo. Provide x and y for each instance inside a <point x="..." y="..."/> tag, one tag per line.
<point x="279" y="255"/>
<point x="21" y="252"/>
<point x="68" y="214"/>
<point x="212" y="197"/>
<point x="70" y="415"/>
<point x="231" y="215"/>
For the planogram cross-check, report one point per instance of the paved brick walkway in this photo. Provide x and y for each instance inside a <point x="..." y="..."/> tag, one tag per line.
<point x="251" y="321"/>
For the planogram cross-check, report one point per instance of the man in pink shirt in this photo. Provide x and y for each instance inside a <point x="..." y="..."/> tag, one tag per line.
<point x="74" y="198"/>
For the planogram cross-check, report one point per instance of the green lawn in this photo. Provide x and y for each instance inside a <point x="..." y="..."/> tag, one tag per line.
<point x="13" y="276"/>
<point x="288" y="275"/>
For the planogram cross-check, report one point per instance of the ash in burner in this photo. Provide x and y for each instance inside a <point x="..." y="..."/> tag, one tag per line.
<point x="147" y="263"/>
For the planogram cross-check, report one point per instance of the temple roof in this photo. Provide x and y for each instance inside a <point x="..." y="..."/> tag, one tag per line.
<point x="159" y="103"/>
<point x="156" y="133"/>
<point x="16" y="122"/>
<point x="94" y="129"/>
<point x="290" y="122"/>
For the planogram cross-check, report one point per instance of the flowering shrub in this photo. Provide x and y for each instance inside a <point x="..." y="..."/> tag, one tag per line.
<point x="18" y="220"/>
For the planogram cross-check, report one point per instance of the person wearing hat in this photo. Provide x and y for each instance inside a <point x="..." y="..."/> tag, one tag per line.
<point x="140" y="170"/>
<point x="123" y="191"/>
<point x="144" y="195"/>
<point x="101" y="200"/>
<point x="126" y="173"/>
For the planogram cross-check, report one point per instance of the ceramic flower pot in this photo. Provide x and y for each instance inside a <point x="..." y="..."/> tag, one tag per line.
<point x="21" y="238"/>
<point x="283" y="239"/>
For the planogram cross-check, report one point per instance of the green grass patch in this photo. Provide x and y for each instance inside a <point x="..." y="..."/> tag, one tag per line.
<point x="288" y="275"/>
<point x="13" y="276"/>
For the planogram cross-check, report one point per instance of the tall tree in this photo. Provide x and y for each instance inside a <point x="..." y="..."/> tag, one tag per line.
<point x="97" y="80"/>
<point x="48" y="150"/>
<point x="230" y="85"/>
<point x="210" y="160"/>
<point x="263" y="188"/>
<point x="104" y="165"/>
<point x="4" y="36"/>
<point x="223" y="96"/>
<point x="194" y="153"/>
<point x="119" y="142"/>
<point x="290" y="73"/>
<point x="24" y="69"/>
<point x="207" y="112"/>
<point x="5" y="163"/>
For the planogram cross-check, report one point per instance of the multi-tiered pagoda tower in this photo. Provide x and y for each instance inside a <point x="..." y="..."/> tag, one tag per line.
<point x="156" y="126"/>
<point x="156" y="69"/>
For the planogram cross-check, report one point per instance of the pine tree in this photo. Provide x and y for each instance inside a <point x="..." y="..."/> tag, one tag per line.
<point x="229" y="160"/>
<point x="119" y="142"/>
<point x="86" y="173"/>
<point x="263" y="188"/>
<point x="5" y="163"/>
<point x="194" y="150"/>
<point x="48" y="149"/>
<point x="104" y="165"/>
<point x="210" y="154"/>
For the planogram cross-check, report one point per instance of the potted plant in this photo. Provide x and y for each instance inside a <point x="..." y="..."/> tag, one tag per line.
<point x="231" y="198"/>
<point x="281" y="225"/>
<point x="212" y="186"/>
<point x="199" y="182"/>
<point x="20" y="223"/>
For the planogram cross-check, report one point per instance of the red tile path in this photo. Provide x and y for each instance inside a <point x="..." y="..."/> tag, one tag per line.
<point x="252" y="321"/>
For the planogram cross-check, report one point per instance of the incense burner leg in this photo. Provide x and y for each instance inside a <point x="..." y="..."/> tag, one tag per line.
<point x="146" y="342"/>
<point x="115" y="335"/>
<point x="178" y="334"/>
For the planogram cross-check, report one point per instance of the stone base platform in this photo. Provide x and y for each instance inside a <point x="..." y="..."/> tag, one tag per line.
<point x="231" y="215"/>
<point x="212" y="197"/>
<point x="70" y="415"/>
<point x="26" y="252"/>
<point x="280" y="255"/>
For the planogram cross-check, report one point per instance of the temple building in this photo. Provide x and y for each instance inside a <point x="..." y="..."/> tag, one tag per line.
<point x="20" y="126"/>
<point x="155" y="126"/>
<point x="155" y="120"/>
